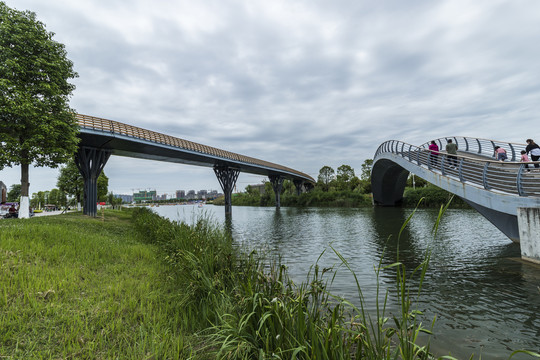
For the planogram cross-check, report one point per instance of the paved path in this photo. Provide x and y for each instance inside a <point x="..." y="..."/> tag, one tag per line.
<point x="47" y="213"/>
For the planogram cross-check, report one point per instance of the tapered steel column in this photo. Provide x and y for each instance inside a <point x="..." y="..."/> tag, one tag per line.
<point x="227" y="177"/>
<point x="277" y="184"/>
<point x="91" y="162"/>
<point x="299" y="186"/>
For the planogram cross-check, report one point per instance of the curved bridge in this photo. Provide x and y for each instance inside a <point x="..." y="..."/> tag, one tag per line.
<point x="101" y="138"/>
<point x="495" y="189"/>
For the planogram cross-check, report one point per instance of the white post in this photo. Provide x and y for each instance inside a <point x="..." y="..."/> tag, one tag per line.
<point x="24" y="208"/>
<point x="529" y="233"/>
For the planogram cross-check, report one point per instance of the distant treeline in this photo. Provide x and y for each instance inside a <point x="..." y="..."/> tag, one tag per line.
<point x="342" y="190"/>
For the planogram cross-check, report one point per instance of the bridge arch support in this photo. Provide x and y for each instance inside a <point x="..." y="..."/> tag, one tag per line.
<point x="388" y="181"/>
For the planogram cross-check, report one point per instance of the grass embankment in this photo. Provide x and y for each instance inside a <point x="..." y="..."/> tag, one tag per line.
<point x="77" y="287"/>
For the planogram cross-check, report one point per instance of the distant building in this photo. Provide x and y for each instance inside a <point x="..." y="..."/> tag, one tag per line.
<point x="143" y="196"/>
<point x="191" y="195"/>
<point x="161" y="197"/>
<point x="212" y="194"/>
<point x="202" y="194"/>
<point x="180" y="194"/>
<point x="126" y="199"/>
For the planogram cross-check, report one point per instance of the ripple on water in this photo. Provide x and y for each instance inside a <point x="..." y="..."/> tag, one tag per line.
<point x="486" y="301"/>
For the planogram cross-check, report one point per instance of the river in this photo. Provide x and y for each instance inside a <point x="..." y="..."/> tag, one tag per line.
<point x="485" y="299"/>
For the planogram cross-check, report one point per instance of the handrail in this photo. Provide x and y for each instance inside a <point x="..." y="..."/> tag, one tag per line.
<point x="479" y="146"/>
<point x="509" y="177"/>
<point x="115" y="127"/>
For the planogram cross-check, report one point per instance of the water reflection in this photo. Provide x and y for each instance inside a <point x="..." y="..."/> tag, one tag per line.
<point x="393" y="237"/>
<point x="486" y="300"/>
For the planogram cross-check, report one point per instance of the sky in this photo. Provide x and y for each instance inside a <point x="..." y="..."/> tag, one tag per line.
<point x="303" y="83"/>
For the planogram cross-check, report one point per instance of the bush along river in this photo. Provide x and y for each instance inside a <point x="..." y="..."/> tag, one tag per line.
<point x="486" y="301"/>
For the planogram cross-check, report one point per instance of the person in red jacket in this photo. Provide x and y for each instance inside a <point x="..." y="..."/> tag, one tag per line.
<point x="434" y="153"/>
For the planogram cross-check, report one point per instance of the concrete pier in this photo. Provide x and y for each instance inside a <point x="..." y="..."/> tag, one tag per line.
<point x="529" y="233"/>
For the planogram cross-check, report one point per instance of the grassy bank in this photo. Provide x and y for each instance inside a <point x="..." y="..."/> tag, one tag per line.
<point x="76" y="287"/>
<point x="136" y="286"/>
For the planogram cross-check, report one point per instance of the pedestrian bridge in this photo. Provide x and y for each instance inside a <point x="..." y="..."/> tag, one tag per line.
<point x="101" y="138"/>
<point x="495" y="189"/>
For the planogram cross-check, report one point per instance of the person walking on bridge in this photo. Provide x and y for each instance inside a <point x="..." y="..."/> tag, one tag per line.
<point x="451" y="148"/>
<point x="534" y="150"/>
<point x="500" y="153"/>
<point x="434" y="155"/>
<point x="525" y="159"/>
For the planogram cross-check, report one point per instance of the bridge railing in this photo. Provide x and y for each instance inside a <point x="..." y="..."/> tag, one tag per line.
<point x="509" y="177"/>
<point x="482" y="147"/>
<point x="110" y="126"/>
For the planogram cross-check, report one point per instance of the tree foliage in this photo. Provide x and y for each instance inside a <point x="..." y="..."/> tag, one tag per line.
<point x="102" y="186"/>
<point x="346" y="179"/>
<point x="326" y="175"/>
<point x="366" y="169"/>
<point x="14" y="193"/>
<point x="37" y="126"/>
<point x="71" y="182"/>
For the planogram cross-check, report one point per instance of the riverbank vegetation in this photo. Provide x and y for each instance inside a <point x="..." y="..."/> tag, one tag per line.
<point x="133" y="285"/>
<point x="342" y="189"/>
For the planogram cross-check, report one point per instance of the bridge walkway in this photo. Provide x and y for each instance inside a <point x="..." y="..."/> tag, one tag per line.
<point x="496" y="189"/>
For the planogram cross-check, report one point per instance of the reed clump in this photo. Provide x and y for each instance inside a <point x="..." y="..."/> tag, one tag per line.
<point x="247" y="307"/>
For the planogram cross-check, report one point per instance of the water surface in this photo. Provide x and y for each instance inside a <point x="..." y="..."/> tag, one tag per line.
<point x="485" y="298"/>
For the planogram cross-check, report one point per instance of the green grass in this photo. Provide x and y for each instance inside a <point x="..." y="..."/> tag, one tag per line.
<point x="132" y="285"/>
<point x="76" y="287"/>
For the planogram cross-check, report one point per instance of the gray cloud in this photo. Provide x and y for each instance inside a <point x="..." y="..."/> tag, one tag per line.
<point x="303" y="84"/>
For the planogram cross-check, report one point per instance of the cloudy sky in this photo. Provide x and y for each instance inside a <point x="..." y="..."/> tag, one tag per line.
<point x="299" y="83"/>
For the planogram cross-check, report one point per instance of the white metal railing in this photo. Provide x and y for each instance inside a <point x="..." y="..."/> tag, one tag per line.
<point x="509" y="176"/>
<point x="482" y="147"/>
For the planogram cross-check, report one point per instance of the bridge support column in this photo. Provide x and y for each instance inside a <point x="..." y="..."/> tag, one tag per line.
<point x="91" y="162"/>
<point x="299" y="184"/>
<point x="227" y="177"/>
<point x="277" y="184"/>
<point x="529" y="233"/>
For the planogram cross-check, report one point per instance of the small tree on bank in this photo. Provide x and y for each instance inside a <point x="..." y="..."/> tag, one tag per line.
<point x="326" y="176"/>
<point x="37" y="126"/>
<point x="71" y="182"/>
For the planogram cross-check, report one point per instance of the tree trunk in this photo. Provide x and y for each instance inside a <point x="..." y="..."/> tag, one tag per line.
<point x="24" y="204"/>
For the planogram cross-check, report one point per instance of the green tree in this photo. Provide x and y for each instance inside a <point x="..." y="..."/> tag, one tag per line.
<point x="38" y="199"/>
<point x="113" y="200"/>
<point x="365" y="177"/>
<point x="102" y="186"/>
<point x="345" y="175"/>
<point x="326" y="175"/>
<point x="57" y="197"/>
<point x="14" y="193"/>
<point x="37" y="126"/>
<point x="71" y="181"/>
<point x="366" y="169"/>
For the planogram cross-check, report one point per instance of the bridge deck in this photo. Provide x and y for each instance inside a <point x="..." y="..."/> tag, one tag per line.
<point x="132" y="141"/>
